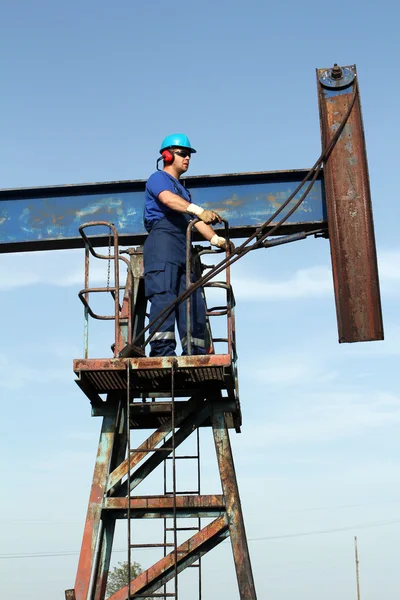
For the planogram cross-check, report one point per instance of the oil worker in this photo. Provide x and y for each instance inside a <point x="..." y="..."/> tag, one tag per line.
<point x="168" y="210"/>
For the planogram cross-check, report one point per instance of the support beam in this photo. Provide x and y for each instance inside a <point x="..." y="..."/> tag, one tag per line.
<point x="234" y="513"/>
<point x="162" y="507"/>
<point x="87" y="559"/>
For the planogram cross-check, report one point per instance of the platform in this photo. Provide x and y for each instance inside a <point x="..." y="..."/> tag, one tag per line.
<point x="150" y="384"/>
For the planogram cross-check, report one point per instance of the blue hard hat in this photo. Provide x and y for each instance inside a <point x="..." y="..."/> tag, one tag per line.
<point x="176" y="139"/>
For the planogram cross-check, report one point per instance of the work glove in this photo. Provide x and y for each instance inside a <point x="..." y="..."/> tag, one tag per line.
<point x="210" y="217"/>
<point x="221" y="242"/>
<point x="207" y="216"/>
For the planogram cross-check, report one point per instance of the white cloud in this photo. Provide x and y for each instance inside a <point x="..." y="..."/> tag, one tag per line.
<point x="289" y="369"/>
<point x="66" y="268"/>
<point x="389" y="265"/>
<point x="314" y="282"/>
<point x="57" y="268"/>
<point x="327" y="417"/>
<point x="389" y="271"/>
<point x="15" y="375"/>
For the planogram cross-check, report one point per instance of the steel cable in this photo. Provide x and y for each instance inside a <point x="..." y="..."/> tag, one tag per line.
<point x="244" y="248"/>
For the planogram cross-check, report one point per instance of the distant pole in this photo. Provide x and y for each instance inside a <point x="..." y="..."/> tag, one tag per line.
<point x="357" y="572"/>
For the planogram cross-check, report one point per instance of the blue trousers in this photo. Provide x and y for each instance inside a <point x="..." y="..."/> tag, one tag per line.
<point x="163" y="285"/>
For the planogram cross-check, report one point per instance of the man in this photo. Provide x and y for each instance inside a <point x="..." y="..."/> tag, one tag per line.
<point x="168" y="210"/>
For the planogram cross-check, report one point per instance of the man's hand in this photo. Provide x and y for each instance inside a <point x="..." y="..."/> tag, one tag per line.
<point x="209" y="217"/>
<point x="221" y="242"/>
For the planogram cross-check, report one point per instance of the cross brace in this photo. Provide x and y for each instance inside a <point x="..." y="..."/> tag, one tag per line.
<point x="110" y="497"/>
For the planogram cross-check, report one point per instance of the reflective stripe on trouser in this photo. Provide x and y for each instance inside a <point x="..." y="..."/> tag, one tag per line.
<point x="198" y="345"/>
<point x="163" y="286"/>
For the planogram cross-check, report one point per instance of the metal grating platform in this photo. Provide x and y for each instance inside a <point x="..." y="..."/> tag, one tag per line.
<point x="150" y="379"/>
<point x="152" y="375"/>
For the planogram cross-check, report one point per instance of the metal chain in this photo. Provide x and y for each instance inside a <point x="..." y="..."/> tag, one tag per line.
<point x="109" y="259"/>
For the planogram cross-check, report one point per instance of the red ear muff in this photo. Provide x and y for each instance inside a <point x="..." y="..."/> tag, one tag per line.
<point x="167" y="156"/>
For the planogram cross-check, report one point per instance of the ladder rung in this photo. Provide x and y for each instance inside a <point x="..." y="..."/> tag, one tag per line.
<point x="182" y="529"/>
<point x="142" y="402"/>
<point x="179" y="457"/>
<point x="166" y="595"/>
<point x="183" y="493"/>
<point x="151" y="545"/>
<point x="152" y="450"/>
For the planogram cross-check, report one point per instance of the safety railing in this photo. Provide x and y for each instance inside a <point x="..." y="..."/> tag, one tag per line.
<point x="216" y="311"/>
<point x="122" y="314"/>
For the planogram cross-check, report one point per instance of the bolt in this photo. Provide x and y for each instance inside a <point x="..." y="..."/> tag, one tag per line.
<point x="336" y="72"/>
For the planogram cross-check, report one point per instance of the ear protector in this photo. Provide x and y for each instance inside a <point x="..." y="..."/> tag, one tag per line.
<point x="168" y="156"/>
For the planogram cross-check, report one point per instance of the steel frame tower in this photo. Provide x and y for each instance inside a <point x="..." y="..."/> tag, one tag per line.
<point x="173" y="397"/>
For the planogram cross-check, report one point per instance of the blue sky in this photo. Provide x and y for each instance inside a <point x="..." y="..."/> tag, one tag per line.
<point x="89" y="89"/>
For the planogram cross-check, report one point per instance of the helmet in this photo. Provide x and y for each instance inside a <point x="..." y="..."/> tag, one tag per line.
<point x="176" y="139"/>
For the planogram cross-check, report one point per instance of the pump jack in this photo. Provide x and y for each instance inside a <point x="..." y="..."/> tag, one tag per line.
<point x="175" y="396"/>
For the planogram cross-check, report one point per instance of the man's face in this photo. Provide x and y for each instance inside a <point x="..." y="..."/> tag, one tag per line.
<point x="181" y="158"/>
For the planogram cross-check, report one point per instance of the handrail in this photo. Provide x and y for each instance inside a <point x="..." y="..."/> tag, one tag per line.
<point x="114" y="290"/>
<point x="227" y="285"/>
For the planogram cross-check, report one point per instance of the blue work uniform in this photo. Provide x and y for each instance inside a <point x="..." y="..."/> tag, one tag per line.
<point x="165" y="269"/>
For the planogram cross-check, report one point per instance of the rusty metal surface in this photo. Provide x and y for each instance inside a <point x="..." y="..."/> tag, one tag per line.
<point x="161" y="507"/>
<point x="106" y="536"/>
<point x="87" y="557"/>
<point x="188" y="552"/>
<point x="152" y="374"/>
<point x="213" y="372"/>
<point x="100" y="583"/>
<point x="350" y="222"/>
<point x="105" y="509"/>
<point x="198" y="269"/>
<point x="155" y="363"/>
<point x="150" y="503"/>
<point x="230" y="490"/>
<point x="114" y="290"/>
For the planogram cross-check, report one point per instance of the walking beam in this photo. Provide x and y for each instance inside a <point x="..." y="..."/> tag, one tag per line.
<point x="349" y="209"/>
<point x="48" y="218"/>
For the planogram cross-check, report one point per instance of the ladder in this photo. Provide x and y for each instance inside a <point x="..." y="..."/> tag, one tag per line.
<point x="173" y="397"/>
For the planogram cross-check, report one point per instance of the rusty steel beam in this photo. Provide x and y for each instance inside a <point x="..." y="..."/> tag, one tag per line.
<point x="161" y="507"/>
<point x="87" y="558"/>
<point x="230" y="490"/>
<point x="148" y="364"/>
<point x="349" y="210"/>
<point x="162" y="571"/>
<point x="107" y="538"/>
<point x="107" y="532"/>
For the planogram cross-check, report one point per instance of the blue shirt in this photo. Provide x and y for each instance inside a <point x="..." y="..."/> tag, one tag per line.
<point x="154" y="209"/>
<point x="166" y="242"/>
